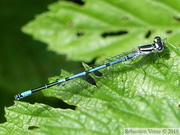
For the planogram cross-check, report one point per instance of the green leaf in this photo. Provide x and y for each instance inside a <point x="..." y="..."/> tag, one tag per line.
<point x="83" y="32"/>
<point x="121" y="98"/>
<point x="112" y="118"/>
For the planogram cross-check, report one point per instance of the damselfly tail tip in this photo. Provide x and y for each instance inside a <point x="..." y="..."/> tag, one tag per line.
<point x="22" y="95"/>
<point x="17" y="97"/>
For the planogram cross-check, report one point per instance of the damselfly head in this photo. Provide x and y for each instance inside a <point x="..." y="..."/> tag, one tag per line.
<point x="159" y="44"/>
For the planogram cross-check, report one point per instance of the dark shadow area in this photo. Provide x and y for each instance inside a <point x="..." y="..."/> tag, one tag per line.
<point x="114" y="33"/>
<point x="176" y="18"/>
<point x="80" y="2"/>
<point x="148" y="34"/>
<point x="51" y="101"/>
<point x="79" y="34"/>
<point x="169" y="31"/>
<point x="32" y="127"/>
<point x="25" y="63"/>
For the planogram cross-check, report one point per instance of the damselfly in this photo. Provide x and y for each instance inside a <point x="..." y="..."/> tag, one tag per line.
<point x="156" y="47"/>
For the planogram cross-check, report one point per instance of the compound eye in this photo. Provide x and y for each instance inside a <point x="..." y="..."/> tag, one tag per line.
<point x="159" y="48"/>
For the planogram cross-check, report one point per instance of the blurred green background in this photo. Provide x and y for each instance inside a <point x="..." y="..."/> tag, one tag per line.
<point x="24" y="62"/>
